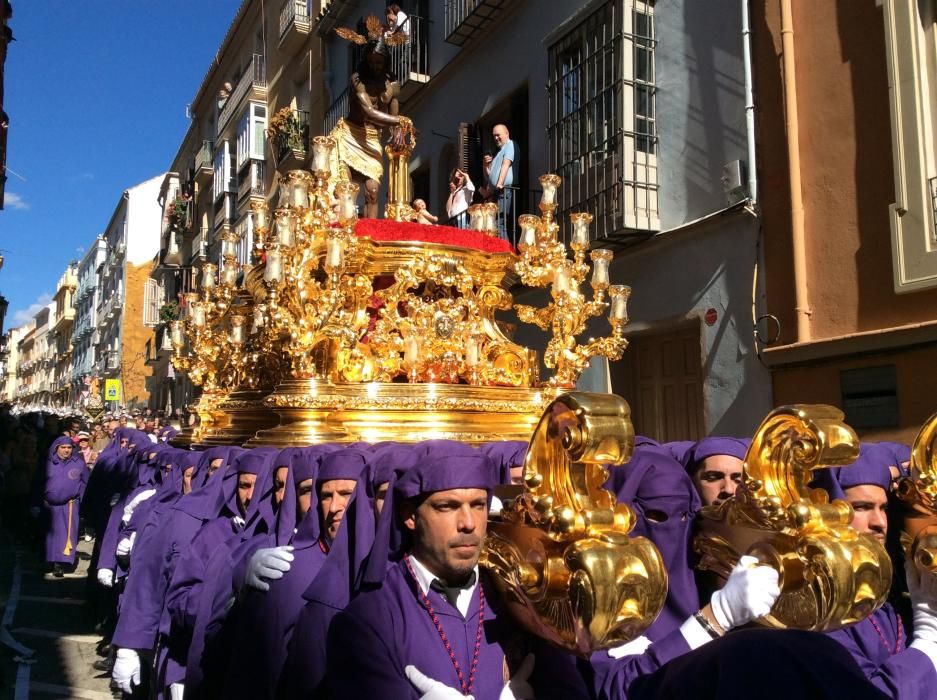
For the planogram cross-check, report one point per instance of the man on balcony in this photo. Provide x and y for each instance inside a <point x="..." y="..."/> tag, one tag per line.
<point x="500" y="176"/>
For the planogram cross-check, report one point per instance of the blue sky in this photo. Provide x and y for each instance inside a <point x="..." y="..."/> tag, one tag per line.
<point x="96" y="92"/>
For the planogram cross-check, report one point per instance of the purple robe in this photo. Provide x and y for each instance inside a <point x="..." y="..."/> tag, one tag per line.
<point x="266" y="619"/>
<point x="878" y="644"/>
<point x="65" y="484"/>
<point x="386" y="629"/>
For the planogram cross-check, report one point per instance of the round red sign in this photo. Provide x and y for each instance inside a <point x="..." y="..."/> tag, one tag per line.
<point x="711" y="317"/>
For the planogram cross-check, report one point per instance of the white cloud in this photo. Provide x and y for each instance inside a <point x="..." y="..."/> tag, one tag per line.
<point x="11" y="200"/>
<point x="26" y="315"/>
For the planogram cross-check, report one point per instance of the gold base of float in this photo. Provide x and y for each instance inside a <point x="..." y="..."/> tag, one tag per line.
<point x="312" y="412"/>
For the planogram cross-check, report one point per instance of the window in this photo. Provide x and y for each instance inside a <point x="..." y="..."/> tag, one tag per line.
<point x="870" y="397"/>
<point x="251" y="138"/>
<point x="224" y="180"/>
<point x="245" y="231"/>
<point x="152" y="301"/>
<point x="911" y="48"/>
<point x="602" y="127"/>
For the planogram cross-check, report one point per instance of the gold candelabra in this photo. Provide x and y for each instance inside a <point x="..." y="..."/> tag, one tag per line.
<point x="543" y="261"/>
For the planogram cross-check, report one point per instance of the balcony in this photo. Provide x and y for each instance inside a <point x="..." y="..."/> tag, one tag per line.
<point x="337" y="110"/>
<point x="204" y="163"/>
<point x="252" y="86"/>
<point x="290" y="145"/>
<point x="112" y="307"/>
<point x="251" y="181"/>
<point x="112" y="360"/>
<point x="410" y="61"/>
<point x="466" y="19"/>
<point x="200" y="245"/>
<point x="295" y="24"/>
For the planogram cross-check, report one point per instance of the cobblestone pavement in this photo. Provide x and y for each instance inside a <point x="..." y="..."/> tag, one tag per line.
<point x="47" y="640"/>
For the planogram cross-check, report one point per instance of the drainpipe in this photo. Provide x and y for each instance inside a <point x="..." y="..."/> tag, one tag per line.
<point x="749" y="104"/>
<point x="789" y="77"/>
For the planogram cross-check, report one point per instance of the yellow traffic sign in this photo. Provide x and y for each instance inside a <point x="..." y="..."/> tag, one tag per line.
<point x="112" y="390"/>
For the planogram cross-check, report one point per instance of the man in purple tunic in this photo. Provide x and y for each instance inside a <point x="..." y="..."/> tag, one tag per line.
<point x="715" y="465"/>
<point x="435" y="627"/>
<point x="878" y="643"/>
<point x="266" y="619"/>
<point x="66" y="476"/>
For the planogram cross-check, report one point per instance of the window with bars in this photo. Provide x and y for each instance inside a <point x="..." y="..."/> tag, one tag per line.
<point x="602" y="128"/>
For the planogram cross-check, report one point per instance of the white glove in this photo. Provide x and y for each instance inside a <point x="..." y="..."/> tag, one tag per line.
<point x="176" y="691"/>
<point x="106" y="577"/>
<point x="430" y="689"/>
<point x="748" y="594"/>
<point x="114" y="499"/>
<point x="137" y="500"/>
<point x="125" y="546"/>
<point x="519" y="688"/>
<point x="268" y="563"/>
<point x="923" y="590"/>
<point x="126" y="673"/>
<point x="632" y="648"/>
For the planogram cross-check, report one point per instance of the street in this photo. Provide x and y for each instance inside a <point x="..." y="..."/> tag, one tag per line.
<point x="47" y="637"/>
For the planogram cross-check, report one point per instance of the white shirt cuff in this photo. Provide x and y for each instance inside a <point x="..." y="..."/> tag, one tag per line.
<point x="694" y="633"/>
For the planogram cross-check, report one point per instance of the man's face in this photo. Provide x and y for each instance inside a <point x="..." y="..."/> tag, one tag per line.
<point x="122" y="420"/>
<point x="83" y="443"/>
<point x="279" y="485"/>
<point x="380" y="496"/>
<point x="186" y="478"/>
<point x="124" y="442"/>
<point x="213" y="466"/>
<point x="333" y="497"/>
<point x="500" y="135"/>
<point x="448" y="531"/>
<point x="112" y="426"/>
<point x="718" y="478"/>
<point x="303" y="498"/>
<point x="870" y="509"/>
<point x="150" y="426"/>
<point x="245" y="491"/>
<point x="64" y="451"/>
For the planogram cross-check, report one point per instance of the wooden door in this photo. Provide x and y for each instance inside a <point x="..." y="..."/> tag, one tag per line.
<point x="661" y="377"/>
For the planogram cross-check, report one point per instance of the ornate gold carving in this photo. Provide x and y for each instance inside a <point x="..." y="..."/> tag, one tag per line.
<point x="918" y="494"/>
<point x="830" y="575"/>
<point x="560" y="553"/>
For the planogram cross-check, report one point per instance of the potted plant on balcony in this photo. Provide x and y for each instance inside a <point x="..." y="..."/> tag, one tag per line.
<point x="169" y="312"/>
<point x="289" y="137"/>
<point x="178" y="214"/>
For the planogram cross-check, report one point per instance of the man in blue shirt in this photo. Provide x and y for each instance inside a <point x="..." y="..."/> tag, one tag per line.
<point x="500" y="175"/>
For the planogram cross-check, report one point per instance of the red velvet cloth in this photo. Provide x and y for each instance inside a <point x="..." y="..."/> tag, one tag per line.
<point x="384" y="230"/>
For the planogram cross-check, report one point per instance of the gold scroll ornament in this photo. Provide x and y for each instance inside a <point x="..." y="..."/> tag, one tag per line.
<point x="918" y="494"/>
<point x="560" y="553"/>
<point x="830" y="575"/>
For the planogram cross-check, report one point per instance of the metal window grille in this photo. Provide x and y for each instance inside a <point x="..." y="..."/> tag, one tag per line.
<point x="602" y="127"/>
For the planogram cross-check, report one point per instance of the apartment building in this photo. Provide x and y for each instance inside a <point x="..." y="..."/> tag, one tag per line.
<point x="850" y="218"/>
<point x="266" y="63"/>
<point x="60" y="338"/>
<point x="10" y="360"/>
<point x="36" y="369"/>
<point x="131" y="239"/>
<point x="641" y="108"/>
<point x="84" y="330"/>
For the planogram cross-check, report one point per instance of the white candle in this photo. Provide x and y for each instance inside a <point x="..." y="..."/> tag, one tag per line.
<point x="177" y="335"/>
<point x="619" y="307"/>
<point x="198" y="314"/>
<point x="321" y="151"/>
<point x="411" y="352"/>
<point x="491" y="217"/>
<point x="528" y="224"/>
<point x="600" y="262"/>
<point x="333" y="253"/>
<point x="549" y="183"/>
<point x="299" y="193"/>
<point x="237" y="330"/>
<point x="208" y="276"/>
<point x="229" y="275"/>
<point x="580" y="229"/>
<point x="347" y="194"/>
<point x="229" y="247"/>
<point x="471" y="352"/>
<point x="561" y="279"/>
<point x="259" y="319"/>
<point x="284" y="226"/>
<point x="274" y="268"/>
<point x="259" y="214"/>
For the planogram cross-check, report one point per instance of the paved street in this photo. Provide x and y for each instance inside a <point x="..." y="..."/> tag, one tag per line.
<point x="46" y="616"/>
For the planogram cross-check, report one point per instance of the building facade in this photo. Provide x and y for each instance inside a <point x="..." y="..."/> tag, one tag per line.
<point x="60" y="339"/>
<point x="850" y="217"/>
<point x="132" y="241"/>
<point x="11" y="360"/>
<point x="641" y="108"/>
<point x="266" y="64"/>
<point x="84" y="331"/>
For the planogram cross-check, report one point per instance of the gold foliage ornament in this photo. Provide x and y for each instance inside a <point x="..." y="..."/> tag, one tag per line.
<point x="561" y="553"/>
<point x="829" y="574"/>
<point x="918" y="495"/>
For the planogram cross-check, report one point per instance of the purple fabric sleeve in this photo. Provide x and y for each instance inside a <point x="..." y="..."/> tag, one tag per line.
<point x="612" y="677"/>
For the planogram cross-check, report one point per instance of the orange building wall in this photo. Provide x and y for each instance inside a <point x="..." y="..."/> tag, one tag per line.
<point x="819" y="383"/>
<point x="846" y="166"/>
<point x="134" y="370"/>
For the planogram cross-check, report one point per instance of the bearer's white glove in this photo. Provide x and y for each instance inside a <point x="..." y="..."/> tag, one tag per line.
<point x="126" y="673"/>
<point x="106" y="577"/>
<point x="125" y="546"/>
<point x="430" y="689"/>
<point x="923" y="590"/>
<point x="519" y="688"/>
<point x="748" y="594"/>
<point x="137" y="500"/>
<point x="268" y="563"/>
<point x="114" y="498"/>
<point x="176" y="691"/>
